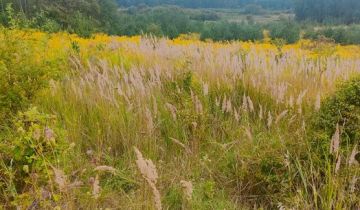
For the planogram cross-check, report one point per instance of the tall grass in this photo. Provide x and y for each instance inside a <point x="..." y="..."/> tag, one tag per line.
<point x="225" y="125"/>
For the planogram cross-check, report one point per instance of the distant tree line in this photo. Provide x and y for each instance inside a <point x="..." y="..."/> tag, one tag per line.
<point x="173" y="21"/>
<point x="86" y="17"/>
<point x="330" y="11"/>
<point x="269" y="4"/>
<point x="91" y="16"/>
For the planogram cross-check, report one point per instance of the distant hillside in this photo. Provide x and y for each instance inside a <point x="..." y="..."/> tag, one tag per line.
<point x="270" y="4"/>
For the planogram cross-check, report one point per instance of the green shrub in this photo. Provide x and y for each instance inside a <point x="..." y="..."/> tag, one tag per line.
<point x="341" y="34"/>
<point x="285" y="29"/>
<point x="342" y="108"/>
<point x="21" y="77"/>
<point x="34" y="145"/>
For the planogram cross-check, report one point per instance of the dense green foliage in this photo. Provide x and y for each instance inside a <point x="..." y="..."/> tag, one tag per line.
<point x="219" y="31"/>
<point x="21" y="79"/>
<point x="81" y="17"/>
<point x="343" y="108"/>
<point x="346" y="11"/>
<point x="341" y="34"/>
<point x="286" y="30"/>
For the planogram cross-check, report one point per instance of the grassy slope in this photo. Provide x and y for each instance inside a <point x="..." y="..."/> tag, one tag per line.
<point x="229" y="118"/>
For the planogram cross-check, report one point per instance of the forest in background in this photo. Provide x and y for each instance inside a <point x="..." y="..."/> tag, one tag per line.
<point x="329" y="19"/>
<point x="271" y="4"/>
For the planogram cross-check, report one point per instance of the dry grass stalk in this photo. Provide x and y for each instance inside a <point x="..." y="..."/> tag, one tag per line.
<point x="187" y="149"/>
<point x="353" y="154"/>
<point x="229" y="106"/>
<point x="149" y="173"/>
<point x="338" y="164"/>
<point x="236" y="115"/>
<point x="261" y="113"/>
<point x="245" y="103"/>
<point x="251" y="104"/>
<point x="249" y="134"/>
<point x="335" y="141"/>
<point x="172" y="110"/>
<point x="198" y="105"/>
<point x="96" y="187"/>
<point x="281" y="116"/>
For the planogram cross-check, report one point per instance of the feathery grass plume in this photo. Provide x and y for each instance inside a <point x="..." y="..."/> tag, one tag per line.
<point x="353" y="154"/>
<point x="228" y="106"/>
<point x="269" y="120"/>
<point x="335" y="141"/>
<point x="198" y="105"/>
<point x="236" y="115"/>
<point x="187" y="149"/>
<point x="281" y="116"/>
<point x="206" y="89"/>
<point x="299" y="100"/>
<point x="149" y="173"/>
<point x="338" y="164"/>
<point x="172" y="110"/>
<point x="245" y="103"/>
<point x="187" y="189"/>
<point x="261" y="112"/>
<point x="251" y="104"/>
<point x="95" y="184"/>
<point x="249" y="134"/>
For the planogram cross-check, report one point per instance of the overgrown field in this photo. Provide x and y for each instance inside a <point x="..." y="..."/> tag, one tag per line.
<point x="146" y="123"/>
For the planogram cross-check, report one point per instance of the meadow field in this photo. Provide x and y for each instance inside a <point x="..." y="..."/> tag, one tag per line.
<point x="111" y="122"/>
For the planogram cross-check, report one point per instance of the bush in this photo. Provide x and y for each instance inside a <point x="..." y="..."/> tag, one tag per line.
<point x="34" y="145"/>
<point x="342" y="108"/>
<point x="285" y="29"/>
<point x="343" y="35"/>
<point x="23" y="72"/>
<point x="221" y="31"/>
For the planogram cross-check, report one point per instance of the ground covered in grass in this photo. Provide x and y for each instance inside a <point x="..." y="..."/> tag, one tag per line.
<point x="145" y="123"/>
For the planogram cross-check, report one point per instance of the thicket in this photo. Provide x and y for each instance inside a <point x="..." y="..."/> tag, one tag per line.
<point x="339" y="34"/>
